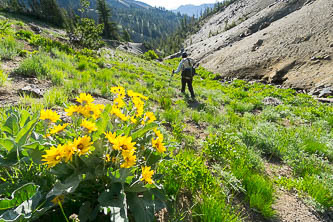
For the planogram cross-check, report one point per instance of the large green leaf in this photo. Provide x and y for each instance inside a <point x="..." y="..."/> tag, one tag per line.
<point x="142" y="131"/>
<point x="85" y="211"/>
<point x="7" y="144"/>
<point x="24" y="211"/>
<point x="18" y="196"/>
<point x="9" y="160"/>
<point x="143" y="206"/>
<point x="24" y="117"/>
<point x="136" y="187"/>
<point x="11" y="125"/>
<point x="122" y="175"/>
<point x="112" y="201"/>
<point x="69" y="186"/>
<point x="23" y="134"/>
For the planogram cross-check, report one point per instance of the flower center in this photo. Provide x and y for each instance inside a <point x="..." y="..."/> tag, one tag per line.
<point x="80" y="146"/>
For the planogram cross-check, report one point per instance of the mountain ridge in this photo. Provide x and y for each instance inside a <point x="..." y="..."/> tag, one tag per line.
<point x="192" y="10"/>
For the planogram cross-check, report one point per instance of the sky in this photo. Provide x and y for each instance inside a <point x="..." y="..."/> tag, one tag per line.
<point x="173" y="4"/>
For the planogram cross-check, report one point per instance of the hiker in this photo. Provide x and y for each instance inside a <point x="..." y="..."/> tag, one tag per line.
<point x="186" y="66"/>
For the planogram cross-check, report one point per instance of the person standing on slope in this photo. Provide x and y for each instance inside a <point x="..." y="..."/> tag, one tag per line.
<point x="186" y="66"/>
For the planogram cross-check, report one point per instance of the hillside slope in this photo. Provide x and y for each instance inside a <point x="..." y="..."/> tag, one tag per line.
<point x="282" y="42"/>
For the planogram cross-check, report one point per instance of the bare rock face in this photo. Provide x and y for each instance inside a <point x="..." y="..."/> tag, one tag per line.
<point x="287" y="42"/>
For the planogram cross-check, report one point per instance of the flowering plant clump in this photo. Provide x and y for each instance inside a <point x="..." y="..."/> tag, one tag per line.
<point x="110" y="150"/>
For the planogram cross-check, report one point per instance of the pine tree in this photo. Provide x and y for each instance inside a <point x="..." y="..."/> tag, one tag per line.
<point x="104" y="12"/>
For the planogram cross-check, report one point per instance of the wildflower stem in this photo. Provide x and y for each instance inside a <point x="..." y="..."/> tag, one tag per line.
<point x="62" y="210"/>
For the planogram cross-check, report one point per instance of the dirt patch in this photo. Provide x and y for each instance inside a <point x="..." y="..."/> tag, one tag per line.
<point x="11" y="92"/>
<point x="278" y="169"/>
<point x="194" y="129"/>
<point x="291" y="208"/>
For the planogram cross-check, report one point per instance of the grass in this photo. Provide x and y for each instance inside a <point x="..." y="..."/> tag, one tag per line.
<point x="3" y="78"/>
<point x="9" y="48"/>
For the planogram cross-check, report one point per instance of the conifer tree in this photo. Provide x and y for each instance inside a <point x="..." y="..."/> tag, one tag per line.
<point x="104" y="13"/>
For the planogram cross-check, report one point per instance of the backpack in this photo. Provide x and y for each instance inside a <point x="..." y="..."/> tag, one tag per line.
<point x="188" y="73"/>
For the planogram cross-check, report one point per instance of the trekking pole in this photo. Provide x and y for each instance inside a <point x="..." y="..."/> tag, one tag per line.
<point x="171" y="77"/>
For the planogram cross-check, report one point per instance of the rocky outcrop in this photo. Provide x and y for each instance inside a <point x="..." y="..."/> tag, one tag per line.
<point x="288" y="42"/>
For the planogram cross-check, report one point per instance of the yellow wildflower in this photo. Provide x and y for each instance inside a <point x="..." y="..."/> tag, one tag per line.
<point x="49" y="115"/>
<point x="151" y="117"/>
<point x="120" y="91"/>
<point x="147" y="174"/>
<point x="82" y="145"/>
<point x="133" y="120"/>
<point x="158" y="134"/>
<point x="58" y="128"/>
<point x="114" y="159"/>
<point x="119" y="103"/>
<point x="67" y="152"/>
<point x="85" y="99"/>
<point x="132" y="94"/>
<point x="110" y="136"/>
<point x="158" y="144"/>
<point x="118" y="113"/>
<point x="138" y="103"/>
<point x="92" y="110"/>
<point x="107" y="158"/>
<point x="129" y="161"/>
<point x="90" y="126"/>
<point x="123" y="143"/>
<point x="57" y="199"/>
<point x="72" y="109"/>
<point x="53" y="156"/>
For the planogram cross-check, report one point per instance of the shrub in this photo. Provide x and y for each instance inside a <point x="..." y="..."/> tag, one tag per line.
<point x="86" y="34"/>
<point x="102" y="161"/>
<point x="24" y="35"/>
<point x="150" y="55"/>
<point x="9" y="48"/>
<point x="34" y="66"/>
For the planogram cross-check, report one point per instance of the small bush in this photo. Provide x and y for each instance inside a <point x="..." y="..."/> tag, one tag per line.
<point x="33" y="66"/>
<point x="150" y="55"/>
<point x="9" y="48"/>
<point x="24" y="35"/>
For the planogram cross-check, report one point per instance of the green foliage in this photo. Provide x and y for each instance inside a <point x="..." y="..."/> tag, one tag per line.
<point x="24" y="35"/>
<point x="150" y="55"/>
<point x="86" y="34"/>
<point x="3" y="78"/>
<point x="4" y="27"/>
<point x="49" y="44"/>
<point x="34" y="66"/>
<point x="9" y="48"/>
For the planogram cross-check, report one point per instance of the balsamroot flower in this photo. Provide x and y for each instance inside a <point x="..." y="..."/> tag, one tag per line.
<point x="72" y="109"/>
<point x="110" y="136"/>
<point x="82" y="145"/>
<point x="158" y="142"/>
<point x="89" y="126"/>
<point x="49" y="115"/>
<point x="57" y="199"/>
<point x="147" y="174"/>
<point x="118" y="113"/>
<point x="58" y="128"/>
<point x="53" y="156"/>
<point x="85" y="99"/>
<point x="123" y="143"/>
<point x="67" y="152"/>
